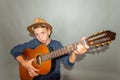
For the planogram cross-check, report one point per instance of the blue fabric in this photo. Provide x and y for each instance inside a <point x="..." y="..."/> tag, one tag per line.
<point x="54" y="75"/>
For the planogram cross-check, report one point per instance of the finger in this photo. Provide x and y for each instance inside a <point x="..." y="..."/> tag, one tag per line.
<point x="84" y="43"/>
<point x="76" y="52"/>
<point x="82" y="39"/>
<point x="35" y="69"/>
<point x="87" y="46"/>
<point x="79" y="50"/>
<point x="32" y="59"/>
<point x="33" y="73"/>
<point x="79" y="47"/>
<point x="30" y="74"/>
<point x="83" y="52"/>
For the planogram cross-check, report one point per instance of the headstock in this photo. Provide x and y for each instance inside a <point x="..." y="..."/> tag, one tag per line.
<point x="101" y="38"/>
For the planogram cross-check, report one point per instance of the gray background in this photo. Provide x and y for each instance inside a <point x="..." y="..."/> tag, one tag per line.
<point x="71" y="19"/>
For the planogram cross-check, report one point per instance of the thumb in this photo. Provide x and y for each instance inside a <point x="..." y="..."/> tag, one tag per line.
<point x="31" y="60"/>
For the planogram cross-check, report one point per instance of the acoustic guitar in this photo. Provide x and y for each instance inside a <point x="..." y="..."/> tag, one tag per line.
<point x="44" y="56"/>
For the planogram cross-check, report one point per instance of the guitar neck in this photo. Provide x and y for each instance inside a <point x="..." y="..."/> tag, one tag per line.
<point x="97" y="40"/>
<point x="59" y="52"/>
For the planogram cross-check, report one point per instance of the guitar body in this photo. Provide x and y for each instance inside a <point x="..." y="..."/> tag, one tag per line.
<point x="44" y="68"/>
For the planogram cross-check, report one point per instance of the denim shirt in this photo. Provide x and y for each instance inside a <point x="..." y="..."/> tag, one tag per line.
<point x="54" y="75"/>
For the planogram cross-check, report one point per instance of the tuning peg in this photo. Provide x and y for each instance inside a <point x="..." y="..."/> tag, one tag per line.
<point x="103" y="44"/>
<point x="108" y="42"/>
<point x="92" y="34"/>
<point x="101" y="31"/>
<point x="97" y="45"/>
<point x="98" y="32"/>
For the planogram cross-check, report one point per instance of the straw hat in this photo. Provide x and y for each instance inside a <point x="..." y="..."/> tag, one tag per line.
<point x="38" y="21"/>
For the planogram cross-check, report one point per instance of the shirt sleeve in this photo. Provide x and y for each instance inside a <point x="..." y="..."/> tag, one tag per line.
<point x="17" y="50"/>
<point x="65" y="60"/>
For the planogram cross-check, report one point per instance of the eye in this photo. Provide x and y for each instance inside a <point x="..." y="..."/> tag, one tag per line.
<point x="36" y="34"/>
<point x="42" y="32"/>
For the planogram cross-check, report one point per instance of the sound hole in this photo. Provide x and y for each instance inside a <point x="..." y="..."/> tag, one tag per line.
<point x="38" y="59"/>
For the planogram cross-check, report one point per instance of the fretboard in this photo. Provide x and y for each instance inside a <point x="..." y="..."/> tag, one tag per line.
<point x="59" y="52"/>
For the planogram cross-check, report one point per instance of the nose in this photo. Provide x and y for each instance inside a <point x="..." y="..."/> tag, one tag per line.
<point x="40" y="37"/>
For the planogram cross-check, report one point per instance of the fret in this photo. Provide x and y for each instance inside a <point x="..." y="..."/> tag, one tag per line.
<point x="44" y="57"/>
<point x="53" y="54"/>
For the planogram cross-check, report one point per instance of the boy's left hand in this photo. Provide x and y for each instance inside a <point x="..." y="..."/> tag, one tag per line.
<point x="82" y="47"/>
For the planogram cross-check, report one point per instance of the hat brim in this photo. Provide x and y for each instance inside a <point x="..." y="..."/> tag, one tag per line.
<point x="30" y="27"/>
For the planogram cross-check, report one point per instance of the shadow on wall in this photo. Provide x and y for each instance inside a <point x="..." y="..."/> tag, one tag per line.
<point x="65" y="77"/>
<point x="93" y="51"/>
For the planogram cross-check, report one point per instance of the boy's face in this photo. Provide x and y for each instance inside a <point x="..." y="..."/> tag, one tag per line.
<point x="42" y="34"/>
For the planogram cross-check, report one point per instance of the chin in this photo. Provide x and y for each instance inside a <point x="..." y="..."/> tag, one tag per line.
<point x="43" y="42"/>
